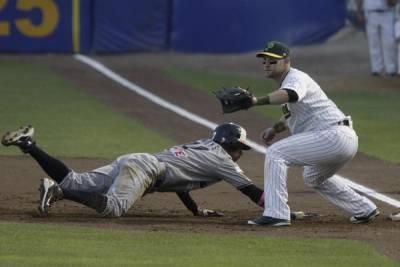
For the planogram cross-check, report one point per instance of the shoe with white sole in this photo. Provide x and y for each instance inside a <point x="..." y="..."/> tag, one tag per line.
<point x="269" y="221"/>
<point x="50" y="192"/>
<point x="365" y="219"/>
<point x="22" y="138"/>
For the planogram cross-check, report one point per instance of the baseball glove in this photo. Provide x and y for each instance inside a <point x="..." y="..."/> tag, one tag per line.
<point x="234" y="99"/>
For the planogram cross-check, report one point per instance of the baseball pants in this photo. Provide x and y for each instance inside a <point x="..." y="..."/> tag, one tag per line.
<point x="381" y="40"/>
<point x="322" y="153"/>
<point x="126" y="181"/>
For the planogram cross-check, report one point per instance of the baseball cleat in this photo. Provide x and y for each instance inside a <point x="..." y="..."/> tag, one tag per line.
<point x="269" y="221"/>
<point x="50" y="192"/>
<point x="23" y="138"/>
<point x="395" y="216"/>
<point x="365" y="219"/>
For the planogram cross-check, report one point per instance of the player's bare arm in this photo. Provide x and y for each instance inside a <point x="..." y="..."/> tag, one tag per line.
<point x="269" y="134"/>
<point x="278" y="97"/>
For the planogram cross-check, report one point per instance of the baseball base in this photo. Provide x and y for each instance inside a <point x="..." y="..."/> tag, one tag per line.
<point x="301" y="215"/>
<point x="395" y="216"/>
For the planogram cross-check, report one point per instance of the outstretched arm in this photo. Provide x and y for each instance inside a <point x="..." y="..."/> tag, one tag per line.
<point x="257" y="196"/>
<point x="275" y="98"/>
<point x="191" y="205"/>
<point x="234" y="99"/>
<point x="278" y="97"/>
<point x="254" y="193"/>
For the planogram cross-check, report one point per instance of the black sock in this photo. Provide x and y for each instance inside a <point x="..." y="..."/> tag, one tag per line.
<point x="56" y="169"/>
<point x="92" y="200"/>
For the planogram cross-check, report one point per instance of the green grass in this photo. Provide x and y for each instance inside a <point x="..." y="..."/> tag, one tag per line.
<point x="375" y="114"/>
<point x="71" y="123"/>
<point x="57" y="245"/>
<point x="376" y="120"/>
<point x="67" y="121"/>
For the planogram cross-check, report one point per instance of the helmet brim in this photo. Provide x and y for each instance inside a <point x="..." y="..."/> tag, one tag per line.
<point x="245" y="146"/>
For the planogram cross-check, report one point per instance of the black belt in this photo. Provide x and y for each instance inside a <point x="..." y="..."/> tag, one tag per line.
<point x="152" y="188"/>
<point x="159" y="181"/>
<point x="344" y="122"/>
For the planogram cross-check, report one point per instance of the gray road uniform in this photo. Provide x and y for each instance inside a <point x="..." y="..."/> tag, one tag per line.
<point x="178" y="169"/>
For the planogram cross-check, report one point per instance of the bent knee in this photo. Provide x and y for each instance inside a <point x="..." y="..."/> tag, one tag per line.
<point x="314" y="181"/>
<point x="115" y="208"/>
<point x="113" y="212"/>
<point x="272" y="154"/>
<point x="311" y="183"/>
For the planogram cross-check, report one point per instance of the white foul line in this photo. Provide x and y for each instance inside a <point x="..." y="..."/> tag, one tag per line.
<point x="370" y="192"/>
<point x="193" y="117"/>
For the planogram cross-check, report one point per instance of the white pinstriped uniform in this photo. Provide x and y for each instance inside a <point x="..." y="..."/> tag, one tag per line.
<point x="380" y="20"/>
<point x="319" y="144"/>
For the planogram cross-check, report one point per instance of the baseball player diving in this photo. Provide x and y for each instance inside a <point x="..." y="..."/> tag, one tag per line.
<point x="111" y="190"/>
<point x="322" y="140"/>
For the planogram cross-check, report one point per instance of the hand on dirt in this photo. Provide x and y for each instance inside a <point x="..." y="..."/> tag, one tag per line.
<point x="209" y="213"/>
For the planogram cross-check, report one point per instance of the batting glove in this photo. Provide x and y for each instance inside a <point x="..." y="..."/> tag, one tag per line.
<point x="209" y="213"/>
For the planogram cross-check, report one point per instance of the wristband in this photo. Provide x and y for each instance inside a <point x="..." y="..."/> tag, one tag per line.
<point x="261" y="201"/>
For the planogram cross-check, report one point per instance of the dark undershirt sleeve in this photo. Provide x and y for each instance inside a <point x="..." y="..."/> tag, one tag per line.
<point x="188" y="201"/>
<point x="293" y="96"/>
<point x="253" y="192"/>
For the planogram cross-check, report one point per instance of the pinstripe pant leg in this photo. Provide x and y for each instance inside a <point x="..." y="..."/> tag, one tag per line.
<point x="336" y="191"/>
<point x="300" y="149"/>
<point x="276" y="195"/>
<point x="322" y="153"/>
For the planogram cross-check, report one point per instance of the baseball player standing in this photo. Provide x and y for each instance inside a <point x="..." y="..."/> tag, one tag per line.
<point x="112" y="189"/>
<point x="322" y="140"/>
<point x="379" y="18"/>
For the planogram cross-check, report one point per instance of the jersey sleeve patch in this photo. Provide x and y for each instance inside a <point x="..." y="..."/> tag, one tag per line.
<point x="177" y="152"/>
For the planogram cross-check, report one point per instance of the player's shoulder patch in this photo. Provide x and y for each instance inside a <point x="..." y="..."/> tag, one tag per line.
<point x="178" y="152"/>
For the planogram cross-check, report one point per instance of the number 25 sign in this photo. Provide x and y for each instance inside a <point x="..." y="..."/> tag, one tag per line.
<point x="24" y="23"/>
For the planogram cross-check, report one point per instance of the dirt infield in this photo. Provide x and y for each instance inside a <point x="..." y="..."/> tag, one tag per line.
<point x="156" y="212"/>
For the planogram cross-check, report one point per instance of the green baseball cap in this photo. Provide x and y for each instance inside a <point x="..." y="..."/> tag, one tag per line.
<point x="275" y="49"/>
